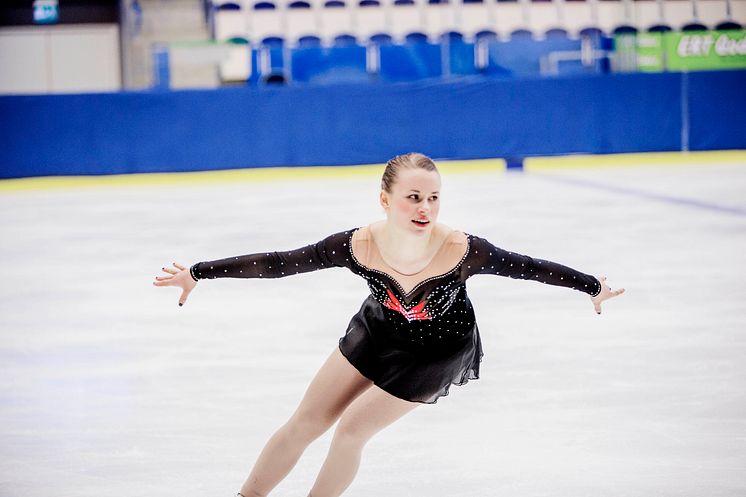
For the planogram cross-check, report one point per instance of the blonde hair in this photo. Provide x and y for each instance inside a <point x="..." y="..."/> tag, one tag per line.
<point x="412" y="160"/>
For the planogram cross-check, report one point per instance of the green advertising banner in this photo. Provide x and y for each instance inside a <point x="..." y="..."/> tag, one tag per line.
<point x="650" y="52"/>
<point x="687" y="51"/>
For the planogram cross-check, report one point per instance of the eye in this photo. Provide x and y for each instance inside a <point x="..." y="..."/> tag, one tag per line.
<point x="434" y="198"/>
<point x="414" y="196"/>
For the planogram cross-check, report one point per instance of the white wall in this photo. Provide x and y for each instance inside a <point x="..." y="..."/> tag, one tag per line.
<point x="60" y="59"/>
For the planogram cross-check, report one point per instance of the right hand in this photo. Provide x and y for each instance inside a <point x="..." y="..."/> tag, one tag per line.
<point x="177" y="277"/>
<point x="605" y="294"/>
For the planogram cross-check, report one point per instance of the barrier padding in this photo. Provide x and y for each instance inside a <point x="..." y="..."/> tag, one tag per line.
<point x="458" y="118"/>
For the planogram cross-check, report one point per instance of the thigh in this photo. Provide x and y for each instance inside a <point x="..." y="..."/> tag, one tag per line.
<point x="371" y="412"/>
<point x="333" y="388"/>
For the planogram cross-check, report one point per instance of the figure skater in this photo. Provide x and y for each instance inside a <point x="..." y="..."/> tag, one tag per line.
<point x="414" y="336"/>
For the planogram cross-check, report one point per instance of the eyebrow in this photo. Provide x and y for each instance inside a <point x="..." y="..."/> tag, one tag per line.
<point x="413" y="190"/>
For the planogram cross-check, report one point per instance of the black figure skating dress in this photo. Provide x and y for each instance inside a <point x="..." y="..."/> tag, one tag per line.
<point x="414" y="336"/>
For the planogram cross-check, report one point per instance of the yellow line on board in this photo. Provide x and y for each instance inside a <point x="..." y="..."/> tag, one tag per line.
<point x="258" y="174"/>
<point x="637" y="159"/>
<point x="371" y="170"/>
<point x="471" y="166"/>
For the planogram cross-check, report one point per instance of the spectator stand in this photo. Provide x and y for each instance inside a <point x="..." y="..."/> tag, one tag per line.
<point x="400" y="40"/>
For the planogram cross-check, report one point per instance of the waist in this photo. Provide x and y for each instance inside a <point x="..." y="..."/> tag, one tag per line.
<point x="437" y="336"/>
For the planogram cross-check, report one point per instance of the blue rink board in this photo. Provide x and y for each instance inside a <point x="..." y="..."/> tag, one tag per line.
<point x="361" y="124"/>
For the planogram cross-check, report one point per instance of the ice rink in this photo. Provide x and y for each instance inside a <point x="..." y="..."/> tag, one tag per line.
<point x="109" y="388"/>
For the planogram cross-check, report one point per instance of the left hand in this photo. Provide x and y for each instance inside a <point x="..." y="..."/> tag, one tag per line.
<point x="177" y="277"/>
<point x="606" y="294"/>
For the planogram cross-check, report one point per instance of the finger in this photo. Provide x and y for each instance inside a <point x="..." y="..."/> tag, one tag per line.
<point x="597" y="307"/>
<point x="169" y="270"/>
<point x="179" y="266"/>
<point x="183" y="297"/>
<point x="614" y="293"/>
<point x="163" y="281"/>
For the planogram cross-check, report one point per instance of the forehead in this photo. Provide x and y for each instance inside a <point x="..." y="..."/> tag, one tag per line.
<point x="418" y="179"/>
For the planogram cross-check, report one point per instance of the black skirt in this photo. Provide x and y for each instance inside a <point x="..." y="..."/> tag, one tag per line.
<point x="404" y="366"/>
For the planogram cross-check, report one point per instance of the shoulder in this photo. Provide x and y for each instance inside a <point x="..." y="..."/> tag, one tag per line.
<point x="480" y="246"/>
<point x="452" y="237"/>
<point x="362" y="233"/>
<point x="360" y="243"/>
<point x="455" y="242"/>
<point x="361" y="237"/>
<point x="336" y="247"/>
<point x="341" y="237"/>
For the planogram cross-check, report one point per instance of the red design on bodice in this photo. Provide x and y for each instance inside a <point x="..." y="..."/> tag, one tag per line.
<point x="417" y="312"/>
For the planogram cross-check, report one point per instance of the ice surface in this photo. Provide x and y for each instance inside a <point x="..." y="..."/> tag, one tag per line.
<point x="108" y="388"/>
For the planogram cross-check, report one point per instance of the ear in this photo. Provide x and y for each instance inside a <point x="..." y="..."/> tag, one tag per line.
<point x="384" y="199"/>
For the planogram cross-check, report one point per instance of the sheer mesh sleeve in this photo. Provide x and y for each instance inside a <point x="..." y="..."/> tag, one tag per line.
<point x="485" y="258"/>
<point x="332" y="251"/>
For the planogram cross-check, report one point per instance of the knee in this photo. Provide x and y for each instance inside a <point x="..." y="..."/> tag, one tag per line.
<point x="308" y="426"/>
<point x="350" y="432"/>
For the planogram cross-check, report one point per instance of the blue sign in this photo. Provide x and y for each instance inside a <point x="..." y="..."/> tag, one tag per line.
<point x="46" y="11"/>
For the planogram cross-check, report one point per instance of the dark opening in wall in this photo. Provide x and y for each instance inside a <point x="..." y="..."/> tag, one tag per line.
<point x="21" y="12"/>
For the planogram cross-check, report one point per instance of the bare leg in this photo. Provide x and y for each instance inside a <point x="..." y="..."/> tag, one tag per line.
<point x="333" y="388"/>
<point x="366" y="416"/>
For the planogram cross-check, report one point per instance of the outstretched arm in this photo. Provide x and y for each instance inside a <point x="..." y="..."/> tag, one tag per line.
<point x="332" y="251"/>
<point x="485" y="258"/>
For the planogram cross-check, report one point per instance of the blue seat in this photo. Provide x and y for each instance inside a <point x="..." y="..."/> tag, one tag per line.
<point x="415" y="37"/>
<point x="227" y="6"/>
<point x="521" y="58"/>
<point x="694" y="26"/>
<point x="270" y="60"/>
<point x="625" y="30"/>
<point x="728" y="26"/>
<point x="556" y="33"/>
<point x="309" y="41"/>
<point x="324" y="65"/>
<point x="485" y="34"/>
<point x="451" y="36"/>
<point x="273" y="41"/>
<point x="460" y="54"/>
<point x="481" y="56"/>
<point x="660" y="28"/>
<point x="381" y="39"/>
<point x="521" y="34"/>
<point x="255" y="76"/>
<point x="344" y="40"/>
<point x="410" y="61"/>
<point x="591" y="32"/>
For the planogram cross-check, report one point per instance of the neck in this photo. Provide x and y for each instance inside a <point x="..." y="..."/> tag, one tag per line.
<point x="405" y="244"/>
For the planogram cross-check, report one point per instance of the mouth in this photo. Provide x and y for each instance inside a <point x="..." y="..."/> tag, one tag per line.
<point x="421" y="222"/>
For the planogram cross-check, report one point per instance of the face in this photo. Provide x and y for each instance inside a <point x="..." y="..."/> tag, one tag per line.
<point x="414" y="201"/>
